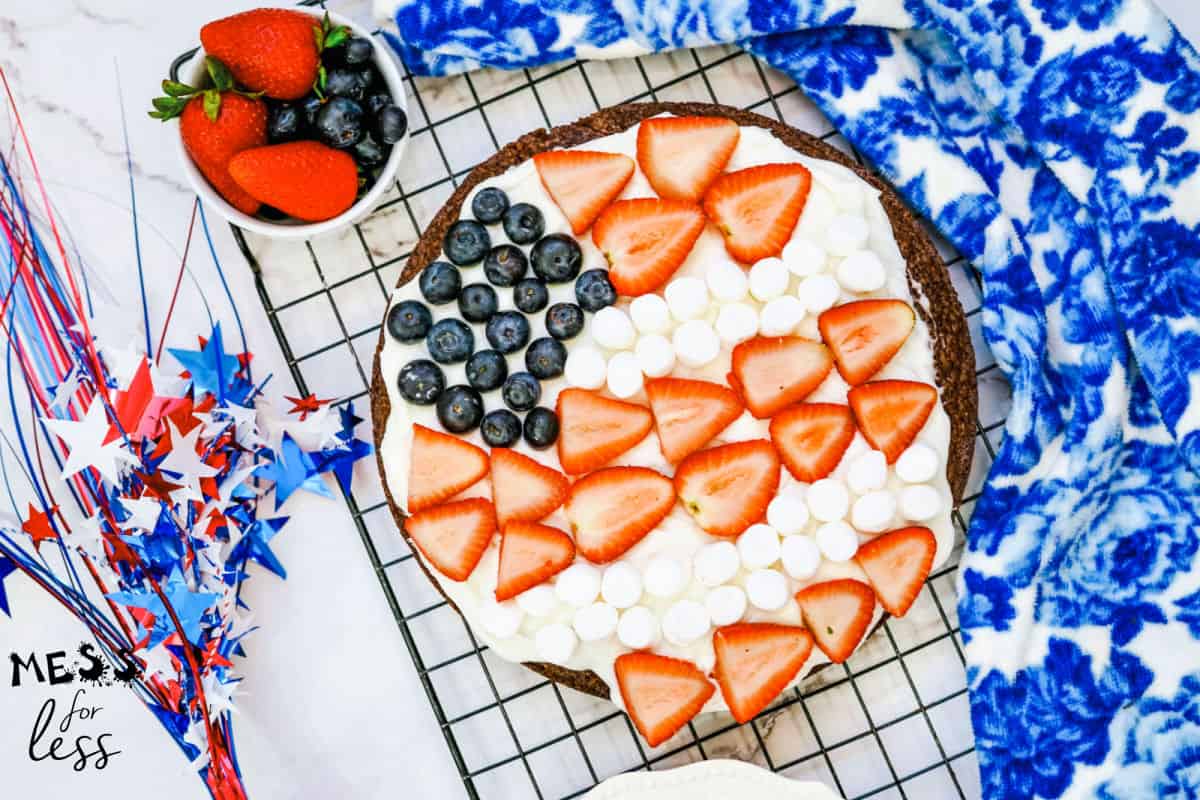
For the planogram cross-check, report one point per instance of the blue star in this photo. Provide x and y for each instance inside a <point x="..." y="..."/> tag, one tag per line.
<point x="212" y="369"/>
<point x="348" y="421"/>
<point x="254" y="545"/>
<point x="293" y="469"/>
<point x="189" y="608"/>
<point x="7" y="567"/>
<point x="340" y="460"/>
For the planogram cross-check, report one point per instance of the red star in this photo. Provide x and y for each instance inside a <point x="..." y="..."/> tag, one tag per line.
<point x="212" y="657"/>
<point x="38" y="525"/>
<point x="139" y="410"/>
<point x="307" y="405"/>
<point x="156" y="485"/>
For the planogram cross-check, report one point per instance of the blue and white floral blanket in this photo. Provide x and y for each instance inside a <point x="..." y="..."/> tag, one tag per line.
<point x="1056" y="143"/>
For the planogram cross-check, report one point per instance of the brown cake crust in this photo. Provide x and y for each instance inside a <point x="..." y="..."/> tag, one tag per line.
<point x="928" y="281"/>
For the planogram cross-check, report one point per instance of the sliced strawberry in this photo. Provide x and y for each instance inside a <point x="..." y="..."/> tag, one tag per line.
<point x="661" y="694"/>
<point x="594" y="430"/>
<point x="774" y="372"/>
<point x="890" y="414"/>
<point x="865" y="335"/>
<point x="897" y="564"/>
<point x="687" y="414"/>
<point x="755" y="662"/>
<point x="838" y="613"/>
<point x="612" y="509"/>
<point x="530" y="554"/>
<point x="645" y="241"/>
<point x="453" y="536"/>
<point x="727" y="488"/>
<point x="682" y="156"/>
<point x="442" y="466"/>
<point x="583" y="183"/>
<point x="756" y="209"/>
<point x="811" y="438"/>
<point x="522" y="489"/>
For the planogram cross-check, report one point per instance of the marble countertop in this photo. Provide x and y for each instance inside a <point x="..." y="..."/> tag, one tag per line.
<point x="331" y="705"/>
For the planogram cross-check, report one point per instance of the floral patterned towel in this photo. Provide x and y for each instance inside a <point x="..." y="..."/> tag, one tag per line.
<point x="1056" y="144"/>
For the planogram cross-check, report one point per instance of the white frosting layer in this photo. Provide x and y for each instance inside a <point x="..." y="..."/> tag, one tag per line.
<point x="835" y="189"/>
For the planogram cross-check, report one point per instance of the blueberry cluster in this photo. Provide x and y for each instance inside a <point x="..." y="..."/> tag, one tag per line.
<point x="552" y="259"/>
<point x="350" y="108"/>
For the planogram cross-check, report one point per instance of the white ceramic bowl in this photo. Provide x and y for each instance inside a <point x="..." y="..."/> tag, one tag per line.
<point x="194" y="73"/>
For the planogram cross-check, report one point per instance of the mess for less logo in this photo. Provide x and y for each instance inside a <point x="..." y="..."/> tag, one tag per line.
<point x="83" y="746"/>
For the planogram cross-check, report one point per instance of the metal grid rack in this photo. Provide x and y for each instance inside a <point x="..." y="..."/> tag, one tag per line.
<point x="891" y="722"/>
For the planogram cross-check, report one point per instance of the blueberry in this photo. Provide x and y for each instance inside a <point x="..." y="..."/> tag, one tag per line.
<point x="390" y="124"/>
<point x="357" y="50"/>
<point x="450" y="341"/>
<point x="467" y="242"/>
<point x="489" y="205"/>
<point x="523" y="223"/>
<point x="440" y="283"/>
<point x="556" y="258"/>
<point x="376" y="102"/>
<point x="594" y="291"/>
<point x="409" y="321"/>
<point x="501" y="428"/>
<point x="486" y="370"/>
<point x="421" y="381"/>
<point x="284" y="122"/>
<point x="459" y="409"/>
<point x="369" y="154"/>
<point x="369" y="77"/>
<point x="530" y="295"/>
<point x="508" y="331"/>
<point x="505" y="264"/>
<point x="541" y="428"/>
<point x="309" y="106"/>
<point x="546" y="358"/>
<point x="339" y="123"/>
<point x="521" y="391"/>
<point x="478" y="302"/>
<point x="564" y="320"/>
<point x="340" y="82"/>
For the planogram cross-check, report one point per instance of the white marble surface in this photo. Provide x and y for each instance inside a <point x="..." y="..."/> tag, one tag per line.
<point x="331" y="705"/>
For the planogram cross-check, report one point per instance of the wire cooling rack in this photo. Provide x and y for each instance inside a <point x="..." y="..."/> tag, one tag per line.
<point x="891" y="722"/>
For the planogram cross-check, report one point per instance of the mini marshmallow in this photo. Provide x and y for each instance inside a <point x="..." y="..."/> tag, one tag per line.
<point x="768" y="279"/>
<point x="695" y="342"/>
<point x="655" y="355"/>
<point x="767" y="589"/>
<point x="716" y="563"/>
<point x="801" y="556"/>
<point x="917" y="464"/>
<point x="758" y="546"/>
<point x="650" y="314"/>
<point x="846" y="233"/>
<point x="501" y="620"/>
<point x="725" y="605"/>
<point x="578" y="585"/>
<point x="624" y="375"/>
<point x="586" y="367"/>
<point x="665" y="577"/>
<point x="612" y="329"/>
<point x="737" y="322"/>
<point x="873" y="512"/>
<point x="804" y="257"/>
<point x="595" y="622"/>
<point x="787" y="513"/>
<point x="555" y="643"/>
<point x="861" y="271"/>
<point x="540" y="601"/>
<point x="743" y="429"/>
<point x="726" y="281"/>
<point x="621" y="586"/>
<point x="685" y="622"/>
<point x="920" y="502"/>
<point x="638" y="628"/>
<point x="687" y="298"/>
<point x="818" y="293"/>
<point x="828" y="500"/>
<point x="780" y="316"/>
<point x="837" y="540"/>
<point x="867" y="473"/>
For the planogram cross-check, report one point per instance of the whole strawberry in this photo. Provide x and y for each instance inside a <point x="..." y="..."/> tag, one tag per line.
<point x="306" y="180"/>
<point x="268" y="50"/>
